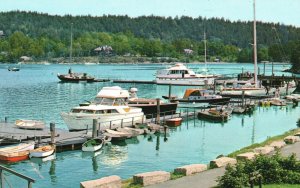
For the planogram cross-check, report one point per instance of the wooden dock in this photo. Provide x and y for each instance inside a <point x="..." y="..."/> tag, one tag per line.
<point x="135" y="81"/>
<point x="64" y="139"/>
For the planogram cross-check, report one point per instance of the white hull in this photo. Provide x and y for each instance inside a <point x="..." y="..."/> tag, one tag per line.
<point x="85" y="121"/>
<point x="257" y="91"/>
<point x="191" y="82"/>
<point x="92" y="148"/>
<point x="41" y="154"/>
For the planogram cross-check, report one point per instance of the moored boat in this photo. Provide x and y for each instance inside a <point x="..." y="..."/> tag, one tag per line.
<point x="110" y="109"/>
<point x="214" y="115"/>
<point x="203" y="96"/>
<point x="93" y="145"/>
<point x="16" y="153"/>
<point x="75" y="77"/>
<point x="43" y="151"/>
<point x="174" y="122"/>
<point x="30" y="124"/>
<point x="181" y="75"/>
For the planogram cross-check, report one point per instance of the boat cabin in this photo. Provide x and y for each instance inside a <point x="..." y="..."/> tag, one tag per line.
<point x="197" y="94"/>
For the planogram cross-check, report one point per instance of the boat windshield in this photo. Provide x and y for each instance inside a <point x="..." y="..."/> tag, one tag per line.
<point x="110" y="101"/>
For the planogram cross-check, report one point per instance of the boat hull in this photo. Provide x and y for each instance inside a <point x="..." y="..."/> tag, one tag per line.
<point x="65" y="78"/>
<point x="183" y="81"/>
<point x="216" y="118"/>
<point x="90" y="147"/>
<point x="175" y="122"/>
<point x="150" y="110"/>
<point x="221" y="101"/>
<point x="41" y="154"/>
<point x="77" y="123"/>
<point x="21" y="156"/>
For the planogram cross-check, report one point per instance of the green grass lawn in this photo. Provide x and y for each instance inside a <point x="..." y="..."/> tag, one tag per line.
<point x="281" y="185"/>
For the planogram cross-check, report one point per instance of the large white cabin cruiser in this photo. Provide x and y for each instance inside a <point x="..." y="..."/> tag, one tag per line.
<point x="111" y="111"/>
<point x="181" y="75"/>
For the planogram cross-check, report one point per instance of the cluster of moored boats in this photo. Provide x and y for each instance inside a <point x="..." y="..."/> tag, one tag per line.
<point x="117" y="110"/>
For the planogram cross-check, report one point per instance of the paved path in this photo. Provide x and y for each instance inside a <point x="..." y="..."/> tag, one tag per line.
<point x="208" y="178"/>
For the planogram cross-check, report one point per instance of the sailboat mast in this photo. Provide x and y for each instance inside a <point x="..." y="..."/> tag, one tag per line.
<point x="254" y="45"/>
<point x="71" y="39"/>
<point x="205" y="48"/>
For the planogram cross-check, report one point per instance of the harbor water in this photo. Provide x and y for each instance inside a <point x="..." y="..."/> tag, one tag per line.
<point x="36" y="93"/>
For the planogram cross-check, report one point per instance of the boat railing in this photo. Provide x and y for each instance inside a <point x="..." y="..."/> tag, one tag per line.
<point x="3" y="179"/>
<point x="131" y="121"/>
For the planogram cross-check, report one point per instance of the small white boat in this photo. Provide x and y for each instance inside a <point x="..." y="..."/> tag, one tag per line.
<point x="43" y="151"/>
<point x="92" y="145"/>
<point x="30" y="124"/>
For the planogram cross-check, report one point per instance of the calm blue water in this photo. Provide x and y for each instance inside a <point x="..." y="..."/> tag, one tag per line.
<point x="35" y="93"/>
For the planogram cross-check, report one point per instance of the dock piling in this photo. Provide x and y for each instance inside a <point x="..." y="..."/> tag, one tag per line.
<point x="94" y="133"/>
<point x="5" y="119"/>
<point x="158" y="111"/>
<point x="52" y="131"/>
<point x="170" y="92"/>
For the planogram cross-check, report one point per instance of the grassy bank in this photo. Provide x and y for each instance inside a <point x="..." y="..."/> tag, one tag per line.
<point x="264" y="143"/>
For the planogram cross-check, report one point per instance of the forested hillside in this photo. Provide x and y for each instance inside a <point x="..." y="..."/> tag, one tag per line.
<point x="41" y="35"/>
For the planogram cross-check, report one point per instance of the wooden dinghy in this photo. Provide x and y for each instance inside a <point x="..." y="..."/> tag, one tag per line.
<point x="174" y="122"/>
<point x="16" y="153"/>
<point x="213" y="115"/>
<point x="93" y="145"/>
<point x="30" y="124"/>
<point x="43" y="151"/>
<point x="116" y="135"/>
<point x="133" y="131"/>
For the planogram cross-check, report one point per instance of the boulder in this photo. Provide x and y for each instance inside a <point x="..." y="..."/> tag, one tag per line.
<point x="106" y="182"/>
<point x="191" y="169"/>
<point x="247" y="156"/>
<point x="291" y="139"/>
<point x="264" y="150"/>
<point x="278" y="144"/>
<point x="150" y="178"/>
<point x="222" y="161"/>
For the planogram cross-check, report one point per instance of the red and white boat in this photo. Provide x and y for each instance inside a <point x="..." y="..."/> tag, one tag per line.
<point x="16" y="153"/>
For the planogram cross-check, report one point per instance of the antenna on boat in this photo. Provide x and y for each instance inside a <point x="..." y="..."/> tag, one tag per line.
<point x="254" y="44"/>
<point x="71" y="39"/>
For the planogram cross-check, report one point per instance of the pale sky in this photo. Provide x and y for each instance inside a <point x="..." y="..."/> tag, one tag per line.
<point x="282" y="11"/>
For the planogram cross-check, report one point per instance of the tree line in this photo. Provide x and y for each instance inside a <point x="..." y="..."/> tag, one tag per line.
<point x="43" y="36"/>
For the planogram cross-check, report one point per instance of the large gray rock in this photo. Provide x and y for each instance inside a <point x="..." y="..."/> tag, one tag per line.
<point x="150" y="178"/>
<point x="191" y="169"/>
<point x="106" y="182"/>
<point x="247" y="156"/>
<point x="222" y="161"/>
<point x="263" y="150"/>
<point x="291" y="139"/>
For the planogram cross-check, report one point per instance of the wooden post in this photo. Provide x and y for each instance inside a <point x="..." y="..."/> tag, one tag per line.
<point x="5" y="119"/>
<point x="215" y="85"/>
<point x="2" y="178"/>
<point x="264" y="68"/>
<point x="170" y="92"/>
<point x="243" y="98"/>
<point x="52" y="130"/>
<point x="158" y="111"/>
<point x="94" y="133"/>
<point x="287" y="88"/>
<point x="272" y="68"/>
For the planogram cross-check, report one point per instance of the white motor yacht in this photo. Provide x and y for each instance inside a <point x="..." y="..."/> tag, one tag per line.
<point x="110" y="110"/>
<point x="181" y="75"/>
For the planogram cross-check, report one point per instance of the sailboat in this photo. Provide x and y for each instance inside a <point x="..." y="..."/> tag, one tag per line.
<point x="71" y="76"/>
<point x="255" y="88"/>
